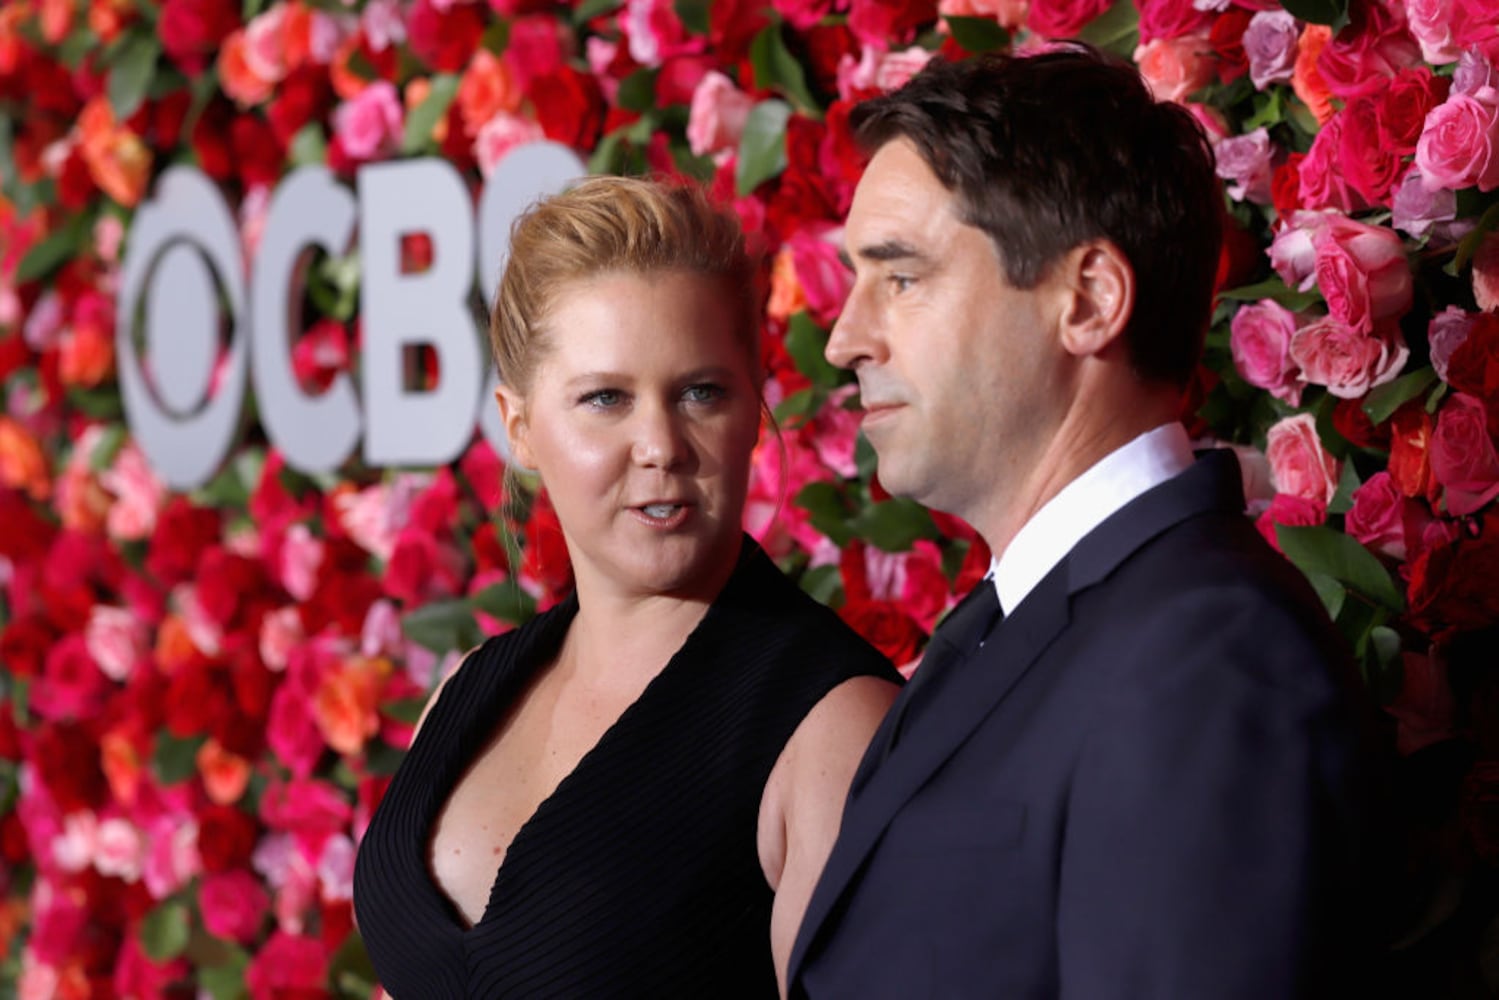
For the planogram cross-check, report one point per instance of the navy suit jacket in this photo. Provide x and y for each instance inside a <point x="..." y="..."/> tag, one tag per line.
<point x="1144" y="784"/>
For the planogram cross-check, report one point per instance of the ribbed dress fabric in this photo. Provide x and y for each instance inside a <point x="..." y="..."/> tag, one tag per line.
<point x="639" y="876"/>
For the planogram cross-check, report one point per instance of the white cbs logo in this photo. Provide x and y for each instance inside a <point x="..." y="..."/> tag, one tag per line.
<point x="194" y="323"/>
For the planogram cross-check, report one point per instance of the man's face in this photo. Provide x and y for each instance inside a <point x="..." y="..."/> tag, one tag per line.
<point x="961" y="374"/>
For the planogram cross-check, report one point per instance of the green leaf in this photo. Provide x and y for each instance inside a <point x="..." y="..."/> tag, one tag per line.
<point x="350" y="970"/>
<point x="175" y="759"/>
<point x="893" y="525"/>
<point x="1469" y="244"/>
<point x="309" y="147"/>
<point x="1275" y="289"/>
<point x="225" y="982"/>
<point x="694" y="15"/>
<point x="637" y="92"/>
<point x="417" y="135"/>
<point x="798" y="406"/>
<point x="507" y="601"/>
<point x="1330" y="552"/>
<point x="1269" y="110"/>
<point x="1383" y="666"/>
<point x="1333" y="13"/>
<point x="381" y="759"/>
<point x="1342" y="500"/>
<point x="804" y="342"/>
<point x="829" y="514"/>
<point x="48" y="255"/>
<point x="777" y="69"/>
<point x="1384" y="400"/>
<point x="165" y="930"/>
<point x="107" y="448"/>
<point x="762" y="146"/>
<point x="406" y="710"/>
<point x="443" y="625"/>
<point x="1117" y="30"/>
<point x="978" y="34"/>
<point x="824" y="583"/>
<point x="1332" y="593"/>
<point x="590" y="9"/>
<point x="130" y="75"/>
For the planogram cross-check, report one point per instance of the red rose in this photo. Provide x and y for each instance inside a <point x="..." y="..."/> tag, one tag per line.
<point x="226" y="837"/>
<point x="226" y="581"/>
<point x="544" y="558"/>
<point x="1372" y="167"/>
<point x="1365" y="55"/>
<point x="570" y="107"/>
<point x="302" y="97"/>
<point x="887" y="626"/>
<point x="1350" y="420"/>
<point x="677" y="80"/>
<point x="1377" y="518"/>
<point x="344" y="592"/>
<point x="210" y="140"/>
<point x="27" y="534"/>
<point x="66" y="755"/>
<point x="196" y="699"/>
<point x="1285" y="186"/>
<point x="827" y="44"/>
<point x="167" y="115"/>
<point x="889" y="23"/>
<point x="534" y="49"/>
<point x="257" y="153"/>
<point x="1480" y="810"/>
<point x="1410" y="452"/>
<point x="190" y="30"/>
<point x="444" y="40"/>
<point x="1452" y="586"/>
<point x="1474" y="365"/>
<point x="1227" y="38"/>
<point x="23" y="645"/>
<point x="1403" y="107"/>
<point x="75" y="185"/>
<point x="71" y="685"/>
<point x="288" y="966"/>
<point x="182" y="533"/>
<point x="1462" y="456"/>
<point x="733" y="25"/>
<point x="1290" y="510"/>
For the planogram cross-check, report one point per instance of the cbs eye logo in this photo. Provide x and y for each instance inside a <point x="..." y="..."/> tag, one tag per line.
<point x="195" y="326"/>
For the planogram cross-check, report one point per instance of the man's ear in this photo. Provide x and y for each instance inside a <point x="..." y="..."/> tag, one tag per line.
<point x="513" y="415"/>
<point x="1101" y="287"/>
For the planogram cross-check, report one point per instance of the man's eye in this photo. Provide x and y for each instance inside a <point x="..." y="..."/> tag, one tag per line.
<point x="902" y="282"/>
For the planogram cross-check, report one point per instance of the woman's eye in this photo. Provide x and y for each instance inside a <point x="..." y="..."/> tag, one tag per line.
<point x="602" y="399"/>
<point x="703" y="393"/>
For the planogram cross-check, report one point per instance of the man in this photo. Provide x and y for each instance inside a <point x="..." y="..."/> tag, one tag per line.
<point x="1139" y="782"/>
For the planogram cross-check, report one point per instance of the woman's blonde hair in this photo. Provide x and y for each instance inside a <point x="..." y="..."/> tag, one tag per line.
<point x="613" y="224"/>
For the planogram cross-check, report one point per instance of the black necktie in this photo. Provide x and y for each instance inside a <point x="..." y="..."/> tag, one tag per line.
<point x="956" y="638"/>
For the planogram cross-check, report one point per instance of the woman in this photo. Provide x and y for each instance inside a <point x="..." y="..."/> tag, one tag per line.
<point x="634" y="793"/>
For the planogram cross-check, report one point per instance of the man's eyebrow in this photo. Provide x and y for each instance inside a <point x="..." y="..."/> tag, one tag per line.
<point x="885" y="250"/>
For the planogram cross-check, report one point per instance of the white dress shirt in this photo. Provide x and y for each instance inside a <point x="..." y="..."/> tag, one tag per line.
<point x="1084" y="504"/>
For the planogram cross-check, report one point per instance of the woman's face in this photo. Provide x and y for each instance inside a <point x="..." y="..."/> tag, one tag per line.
<point x="640" y="420"/>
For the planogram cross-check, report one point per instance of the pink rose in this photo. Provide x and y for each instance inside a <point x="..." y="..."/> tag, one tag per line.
<point x="1063" y="18"/>
<point x="1171" y="19"/>
<point x="1419" y="210"/>
<point x="382" y="24"/>
<point x="1377" y="518"/>
<point x="1292" y="511"/>
<point x="803" y="14"/>
<point x="369" y="125"/>
<point x="117" y="640"/>
<point x="1323" y="175"/>
<point x="335" y="868"/>
<point x="119" y="851"/>
<point x="654" y="30"/>
<point x="500" y="135"/>
<point x="139" y="495"/>
<point x="535" y="48"/>
<point x="1292" y="252"/>
<point x="265" y="47"/>
<point x="1260" y="338"/>
<point x="835" y="432"/>
<point x="301" y="555"/>
<point x="1473" y="26"/>
<point x="1474" y="72"/>
<point x="172" y="856"/>
<point x="1361" y="58"/>
<point x="1372" y="166"/>
<point x="1457" y="148"/>
<point x="1270" y="43"/>
<point x="716" y="119"/>
<point x="1362" y="272"/>
<point x="1462" y="455"/>
<point x="1008" y="13"/>
<point x="1347" y="362"/>
<point x="1486" y="273"/>
<point x="1430" y="24"/>
<point x="878" y="69"/>
<point x="233" y="905"/>
<point x="280" y="631"/>
<point x="1175" y="68"/>
<point x="1299" y="465"/>
<point x="304" y="805"/>
<point x="1445" y="334"/>
<point x="288" y="964"/>
<point x="820" y="273"/>
<point x="1245" y="161"/>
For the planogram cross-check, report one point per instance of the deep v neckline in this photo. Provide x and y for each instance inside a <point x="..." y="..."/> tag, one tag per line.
<point x="505" y="690"/>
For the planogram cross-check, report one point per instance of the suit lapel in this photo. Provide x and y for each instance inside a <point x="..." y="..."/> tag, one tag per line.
<point x="964" y="694"/>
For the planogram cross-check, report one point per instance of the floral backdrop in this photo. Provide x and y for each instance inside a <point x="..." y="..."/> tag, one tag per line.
<point x="203" y="694"/>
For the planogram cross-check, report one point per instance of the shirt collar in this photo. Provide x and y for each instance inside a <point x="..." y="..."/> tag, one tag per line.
<point x="1085" y="503"/>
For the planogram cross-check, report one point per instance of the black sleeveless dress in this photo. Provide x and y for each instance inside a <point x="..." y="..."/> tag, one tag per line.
<point x="639" y="876"/>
